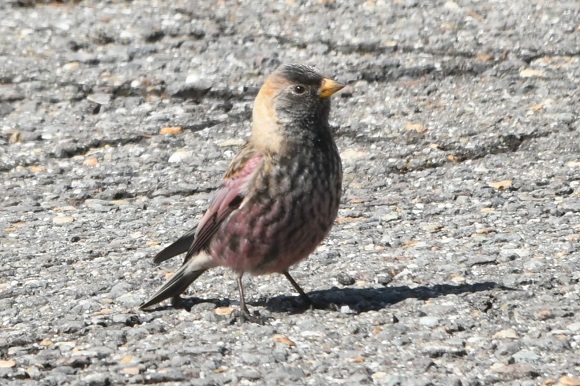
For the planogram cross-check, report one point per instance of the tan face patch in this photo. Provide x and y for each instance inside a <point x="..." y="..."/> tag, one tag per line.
<point x="266" y="131"/>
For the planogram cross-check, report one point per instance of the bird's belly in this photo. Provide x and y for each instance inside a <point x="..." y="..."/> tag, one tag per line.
<point x="271" y="234"/>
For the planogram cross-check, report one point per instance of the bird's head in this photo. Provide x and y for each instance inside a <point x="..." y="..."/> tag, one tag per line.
<point x="294" y="102"/>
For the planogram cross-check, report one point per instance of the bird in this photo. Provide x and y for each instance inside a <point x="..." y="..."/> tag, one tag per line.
<point x="280" y="194"/>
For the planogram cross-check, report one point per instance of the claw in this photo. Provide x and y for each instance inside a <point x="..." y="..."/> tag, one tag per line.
<point x="245" y="317"/>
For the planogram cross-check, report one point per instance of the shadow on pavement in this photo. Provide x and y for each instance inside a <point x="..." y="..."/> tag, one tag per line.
<point x="373" y="299"/>
<point x="357" y="299"/>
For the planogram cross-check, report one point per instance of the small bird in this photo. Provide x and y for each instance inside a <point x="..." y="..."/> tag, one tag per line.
<point x="280" y="195"/>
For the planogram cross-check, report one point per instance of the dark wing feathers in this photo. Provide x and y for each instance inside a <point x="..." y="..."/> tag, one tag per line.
<point x="227" y="199"/>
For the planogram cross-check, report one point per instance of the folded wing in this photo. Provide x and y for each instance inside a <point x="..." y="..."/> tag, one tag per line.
<point x="227" y="199"/>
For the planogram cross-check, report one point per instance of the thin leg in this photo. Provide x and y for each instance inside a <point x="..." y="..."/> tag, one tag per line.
<point x="243" y="306"/>
<point x="304" y="297"/>
<point x="243" y="315"/>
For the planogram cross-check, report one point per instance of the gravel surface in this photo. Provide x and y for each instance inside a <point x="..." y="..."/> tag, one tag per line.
<point x="455" y="259"/>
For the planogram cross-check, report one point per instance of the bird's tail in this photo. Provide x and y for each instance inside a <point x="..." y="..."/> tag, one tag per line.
<point x="177" y="248"/>
<point x="181" y="279"/>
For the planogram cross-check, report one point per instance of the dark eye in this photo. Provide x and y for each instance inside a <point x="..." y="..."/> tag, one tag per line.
<point x="299" y="89"/>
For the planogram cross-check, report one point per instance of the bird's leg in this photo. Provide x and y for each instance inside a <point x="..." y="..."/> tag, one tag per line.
<point x="303" y="295"/>
<point x="244" y="314"/>
<point x="243" y="306"/>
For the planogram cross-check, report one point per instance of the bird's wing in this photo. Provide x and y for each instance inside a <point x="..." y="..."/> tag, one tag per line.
<point x="176" y="248"/>
<point x="227" y="199"/>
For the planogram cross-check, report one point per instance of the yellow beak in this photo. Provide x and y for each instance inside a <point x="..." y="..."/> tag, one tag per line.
<point x="329" y="87"/>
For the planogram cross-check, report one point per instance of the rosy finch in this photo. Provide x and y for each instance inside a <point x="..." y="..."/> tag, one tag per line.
<point x="280" y="194"/>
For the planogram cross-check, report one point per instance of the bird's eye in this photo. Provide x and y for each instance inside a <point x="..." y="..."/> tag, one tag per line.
<point x="299" y="89"/>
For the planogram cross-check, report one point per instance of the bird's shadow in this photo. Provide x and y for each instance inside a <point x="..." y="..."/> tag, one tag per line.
<point x="373" y="299"/>
<point x="357" y="299"/>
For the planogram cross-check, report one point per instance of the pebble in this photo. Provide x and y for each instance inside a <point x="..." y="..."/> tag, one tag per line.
<point x="180" y="156"/>
<point x="250" y="359"/>
<point x="526" y="356"/>
<point x="574" y="327"/>
<point x="7" y="364"/>
<point x="100" y="98"/>
<point x="345" y="279"/>
<point x="252" y="375"/>
<point x="384" y="278"/>
<point x="98" y="379"/>
<point x="61" y="220"/>
<point x="429" y="321"/>
<point x="506" y="334"/>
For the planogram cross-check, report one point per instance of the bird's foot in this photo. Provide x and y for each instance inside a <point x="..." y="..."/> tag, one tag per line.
<point x="177" y="301"/>
<point x="181" y="303"/>
<point x="312" y="305"/>
<point x="242" y="316"/>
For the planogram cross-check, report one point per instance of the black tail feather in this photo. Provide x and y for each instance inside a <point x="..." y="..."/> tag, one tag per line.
<point x="174" y="286"/>
<point x="180" y="246"/>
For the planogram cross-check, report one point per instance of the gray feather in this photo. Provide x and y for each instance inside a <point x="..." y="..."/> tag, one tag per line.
<point x="181" y="279"/>
<point x="180" y="246"/>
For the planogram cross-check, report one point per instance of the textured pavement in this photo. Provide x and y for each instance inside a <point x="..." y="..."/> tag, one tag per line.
<point x="455" y="259"/>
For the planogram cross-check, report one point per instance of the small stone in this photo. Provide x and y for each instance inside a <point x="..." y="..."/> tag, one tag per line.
<point x="249" y="374"/>
<point x="526" y="356"/>
<point x="564" y="117"/>
<point x="7" y="364"/>
<point x="506" y="334"/>
<point x="574" y="327"/>
<point x="384" y="278"/>
<point x="352" y="155"/>
<point x="128" y="300"/>
<point x="516" y="370"/>
<point x="531" y="73"/>
<point x="432" y="227"/>
<point x="418" y="127"/>
<point x="290" y="373"/>
<point x="194" y="90"/>
<point x="37" y="168"/>
<point x="437" y="350"/>
<point x="452" y="5"/>
<point x="96" y="380"/>
<point x="250" y="359"/>
<point x="71" y="66"/>
<point x="62" y="220"/>
<point x="67" y="345"/>
<point x="345" y="279"/>
<point x="378" y="375"/>
<point x="224" y="310"/>
<point x="131" y="370"/>
<point x="283" y="339"/>
<point x="481" y="260"/>
<point x="100" y="98"/>
<point x="359" y="379"/>
<point x="569" y="381"/>
<point x="346" y="310"/>
<point x="171" y="130"/>
<point x="391" y="216"/>
<point x="429" y="321"/>
<point x="128" y="359"/>
<point x="181" y="155"/>
<point x="91" y="161"/>
<point x="501" y="185"/>
<point x="33" y="372"/>
<point x="545" y="315"/>
<point x="231" y="142"/>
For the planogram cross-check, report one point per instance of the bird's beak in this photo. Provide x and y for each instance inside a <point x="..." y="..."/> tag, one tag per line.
<point x="329" y="87"/>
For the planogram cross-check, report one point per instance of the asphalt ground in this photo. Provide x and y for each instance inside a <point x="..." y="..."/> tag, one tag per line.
<point x="455" y="258"/>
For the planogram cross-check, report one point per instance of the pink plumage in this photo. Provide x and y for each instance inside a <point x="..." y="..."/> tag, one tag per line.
<point x="280" y="195"/>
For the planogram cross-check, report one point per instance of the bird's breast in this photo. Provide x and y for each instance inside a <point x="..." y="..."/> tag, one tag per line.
<point x="289" y="209"/>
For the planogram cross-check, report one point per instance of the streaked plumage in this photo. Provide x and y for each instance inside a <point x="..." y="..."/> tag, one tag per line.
<point x="280" y="195"/>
